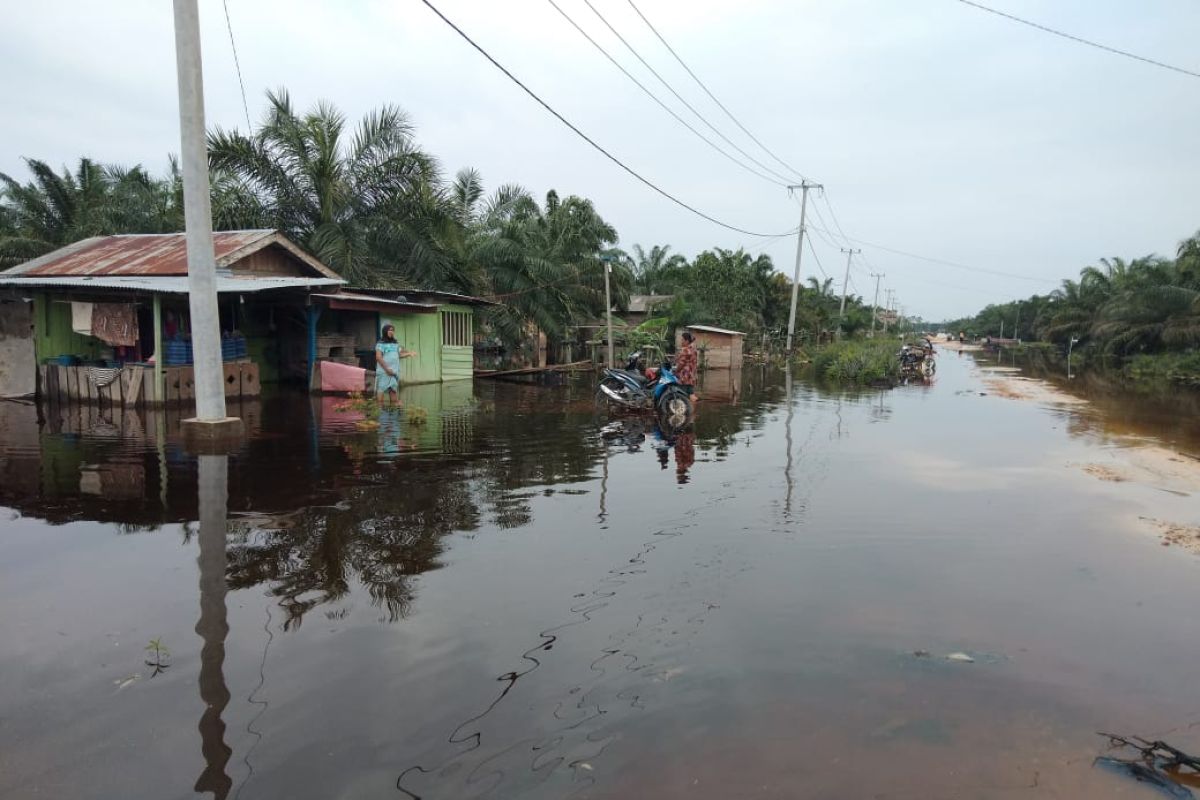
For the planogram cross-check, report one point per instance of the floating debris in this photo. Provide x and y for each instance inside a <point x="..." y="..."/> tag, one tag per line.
<point x="1157" y="764"/>
<point x="961" y="657"/>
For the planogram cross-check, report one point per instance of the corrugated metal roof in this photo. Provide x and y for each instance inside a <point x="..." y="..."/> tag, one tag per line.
<point x="169" y="284"/>
<point x="134" y="254"/>
<point x="711" y="329"/>
<point x="431" y="294"/>
<point x="162" y="254"/>
<point x="348" y="301"/>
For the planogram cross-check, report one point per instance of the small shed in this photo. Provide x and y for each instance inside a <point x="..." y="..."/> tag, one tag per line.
<point x="719" y="348"/>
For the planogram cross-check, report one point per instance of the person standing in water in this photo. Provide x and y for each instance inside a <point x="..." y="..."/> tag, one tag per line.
<point x="686" y="362"/>
<point x="388" y="353"/>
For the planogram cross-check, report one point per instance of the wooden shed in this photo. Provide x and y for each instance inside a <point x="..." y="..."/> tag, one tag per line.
<point x="719" y="348"/>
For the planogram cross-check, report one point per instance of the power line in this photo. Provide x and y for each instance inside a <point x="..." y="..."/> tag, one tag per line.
<point x="816" y="258"/>
<point x="943" y="262"/>
<point x="583" y="135"/>
<point x="1080" y="40"/>
<point x="679" y="97"/>
<point x="237" y="64"/>
<point x="656" y="99"/>
<point x="728" y="113"/>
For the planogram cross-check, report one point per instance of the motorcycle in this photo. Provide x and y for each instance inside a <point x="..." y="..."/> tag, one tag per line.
<point x="657" y="390"/>
<point x="917" y="361"/>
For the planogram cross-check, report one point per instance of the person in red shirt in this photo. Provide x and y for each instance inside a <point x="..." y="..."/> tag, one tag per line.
<point x="686" y="362"/>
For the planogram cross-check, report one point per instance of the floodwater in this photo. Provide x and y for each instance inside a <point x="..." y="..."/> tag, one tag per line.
<point x="501" y="603"/>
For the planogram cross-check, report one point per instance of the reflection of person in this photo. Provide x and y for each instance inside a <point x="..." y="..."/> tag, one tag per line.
<point x="685" y="455"/>
<point x="686" y="361"/>
<point x="388" y="353"/>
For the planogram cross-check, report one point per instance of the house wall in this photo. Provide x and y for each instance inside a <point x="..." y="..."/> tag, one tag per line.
<point x="458" y="360"/>
<point x="52" y="331"/>
<point x="421" y="333"/>
<point x="18" y="363"/>
<point x="271" y="261"/>
<point x="718" y="350"/>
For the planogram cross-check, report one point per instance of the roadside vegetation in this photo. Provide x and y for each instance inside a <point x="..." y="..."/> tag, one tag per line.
<point x="371" y="202"/>
<point x="857" y="362"/>
<point x="1140" y="316"/>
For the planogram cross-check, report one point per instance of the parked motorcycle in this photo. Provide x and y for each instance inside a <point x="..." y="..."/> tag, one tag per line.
<point x="635" y="389"/>
<point x="917" y="361"/>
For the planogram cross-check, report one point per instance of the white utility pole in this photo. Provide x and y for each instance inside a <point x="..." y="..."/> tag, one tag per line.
<point x="608" y="309"/>
<point x="887" y="307"/>
<point x="197" y="211"/>
<point x="845" y="284"/>
<point x="803" y="187"/>
<point x="875" y="304"/>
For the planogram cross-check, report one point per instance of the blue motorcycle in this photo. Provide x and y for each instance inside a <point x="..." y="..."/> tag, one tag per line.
<point x="634" y="389"/>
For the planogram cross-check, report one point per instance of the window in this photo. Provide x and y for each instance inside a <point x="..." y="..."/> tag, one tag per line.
<point x="456" y="328"/>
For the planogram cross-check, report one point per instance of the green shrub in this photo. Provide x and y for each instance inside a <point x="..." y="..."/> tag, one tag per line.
<point x="857" y="362"/>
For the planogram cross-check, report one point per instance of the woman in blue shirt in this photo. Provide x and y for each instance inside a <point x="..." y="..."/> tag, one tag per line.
<point x="388" y="353"/>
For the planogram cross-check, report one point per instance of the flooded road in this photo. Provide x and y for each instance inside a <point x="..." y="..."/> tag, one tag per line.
<point x="907" y="594"/>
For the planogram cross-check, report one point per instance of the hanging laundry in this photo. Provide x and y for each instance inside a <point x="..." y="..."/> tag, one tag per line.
<point x="115" y="323"/>
<point x="81" y="318"/>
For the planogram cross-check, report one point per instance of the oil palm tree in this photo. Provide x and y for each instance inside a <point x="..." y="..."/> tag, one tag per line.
<point x="366" y="201"/>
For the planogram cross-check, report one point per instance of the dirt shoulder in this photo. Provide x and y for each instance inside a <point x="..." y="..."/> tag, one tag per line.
<point x="1131" y="461"/>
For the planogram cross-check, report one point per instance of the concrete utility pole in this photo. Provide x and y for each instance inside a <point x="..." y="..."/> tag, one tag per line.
<point x="803" y="187"/>
<point x="845" y="284"/>
<point x="608" y="308"/>
<point x="875" y="303"/>
<point x="1017" y="327"/>
<point x="210" y="420"/>
<point x="888" y="308"/>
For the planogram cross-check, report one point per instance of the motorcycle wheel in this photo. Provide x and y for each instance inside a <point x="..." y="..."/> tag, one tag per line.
<point x="675" y="403"/>
<point x="615" y="385"/>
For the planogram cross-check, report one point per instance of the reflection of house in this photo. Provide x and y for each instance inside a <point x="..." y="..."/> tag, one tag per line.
<point x="719" y="348"/>
<point x="106" y="320"/>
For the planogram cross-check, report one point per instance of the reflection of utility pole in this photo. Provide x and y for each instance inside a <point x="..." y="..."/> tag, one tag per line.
<point x="209" y="376"/>
<point x="803" y="187"/>
<point x="213" y="493"/>
<point x="875" y="303"/>
<point x="787" y="436"/>
<point x="845" y="285"/>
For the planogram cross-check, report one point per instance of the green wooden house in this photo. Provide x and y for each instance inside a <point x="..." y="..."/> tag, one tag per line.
<point x="438" y="326"/>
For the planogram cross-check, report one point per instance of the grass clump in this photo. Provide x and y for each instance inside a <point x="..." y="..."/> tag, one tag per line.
<point x="857" y="362"/>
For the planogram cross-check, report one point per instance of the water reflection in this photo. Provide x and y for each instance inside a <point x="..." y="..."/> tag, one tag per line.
<point x="212" y="496"/>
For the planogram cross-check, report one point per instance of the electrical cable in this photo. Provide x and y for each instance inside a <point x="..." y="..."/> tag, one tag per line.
<point x="816" y="258"/>
<point x="721" y="105"/>
<point x="237" y="64"/>
<point x="1081" y="40"/>
<point x="656" y="99"/>
<point x="583" y="135"/>
<point x="680" y="98"/>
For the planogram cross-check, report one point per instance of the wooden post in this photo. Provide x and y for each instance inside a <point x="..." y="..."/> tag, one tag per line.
<point x="160" y="392"/>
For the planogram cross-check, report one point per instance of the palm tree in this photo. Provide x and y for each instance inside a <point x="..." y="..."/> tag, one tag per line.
<point x="368" y="202"/>
<point x="54" y="209"/>
<point x="652" y="271"/>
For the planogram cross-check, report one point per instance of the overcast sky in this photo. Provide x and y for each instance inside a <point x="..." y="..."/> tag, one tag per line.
<point x="938" y="129"/>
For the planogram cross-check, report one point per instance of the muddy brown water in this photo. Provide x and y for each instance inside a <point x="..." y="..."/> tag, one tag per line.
<point x="502" y="604"/>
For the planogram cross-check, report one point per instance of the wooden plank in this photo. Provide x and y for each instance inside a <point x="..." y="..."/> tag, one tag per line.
<point x="233" y="379"/>
<point x="174" y="378"/>
<point x="133" y="393"/>
<point x="250" y="379"/>
<point x="187" y="385"/>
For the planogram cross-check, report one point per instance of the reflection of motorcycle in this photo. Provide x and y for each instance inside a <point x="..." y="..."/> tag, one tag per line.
<point x="655" y="389"/>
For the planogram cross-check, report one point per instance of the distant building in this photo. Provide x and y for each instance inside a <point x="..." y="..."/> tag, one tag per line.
<point x="642" y="307"/>
<point x="719" y="348"/>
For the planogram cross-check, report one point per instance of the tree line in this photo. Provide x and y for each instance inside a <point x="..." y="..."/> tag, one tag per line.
<point x="1119" y="308"/>
<point x="370" y="202"/>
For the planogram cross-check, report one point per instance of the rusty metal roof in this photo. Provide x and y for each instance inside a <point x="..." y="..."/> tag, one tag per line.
<point x="154" y="284"/>
<point x="157" y="254"/>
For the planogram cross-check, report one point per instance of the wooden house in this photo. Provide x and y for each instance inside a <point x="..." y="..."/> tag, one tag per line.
<point x="719" y="348"/>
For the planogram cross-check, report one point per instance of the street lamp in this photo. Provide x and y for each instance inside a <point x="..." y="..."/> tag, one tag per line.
<point x="1070" y="347"/>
